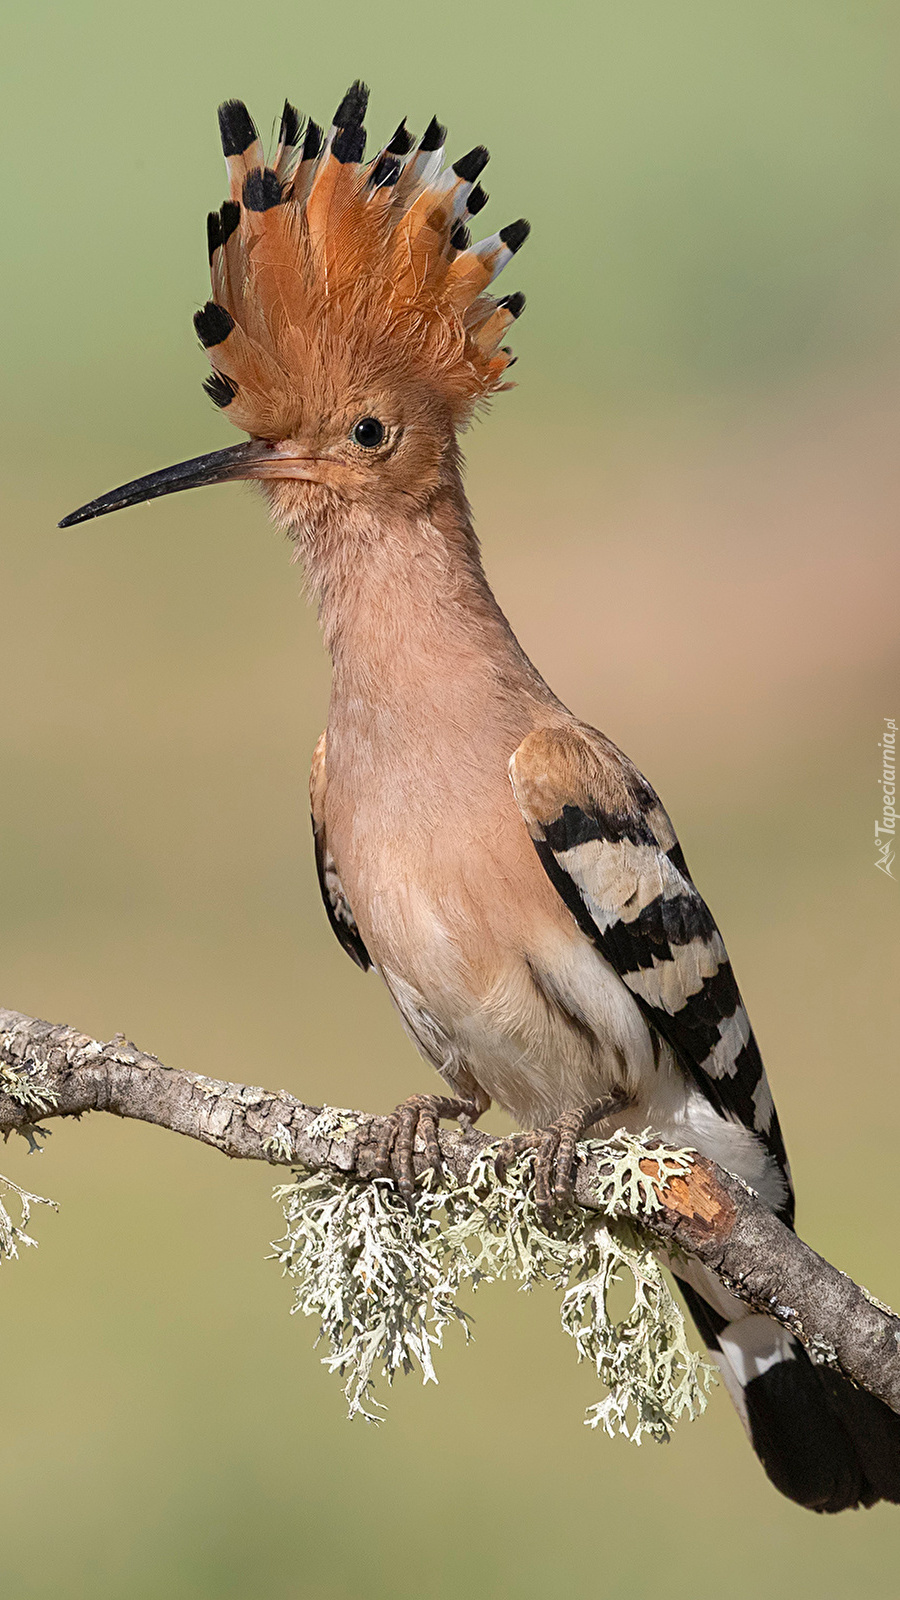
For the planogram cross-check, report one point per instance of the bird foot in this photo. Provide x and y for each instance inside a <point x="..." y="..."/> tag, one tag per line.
<point x="420" y="1114"/>
<point x="554" y="1169"/>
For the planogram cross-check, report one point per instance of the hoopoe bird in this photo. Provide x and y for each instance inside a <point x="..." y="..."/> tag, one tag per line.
<point x="507" y="871"/>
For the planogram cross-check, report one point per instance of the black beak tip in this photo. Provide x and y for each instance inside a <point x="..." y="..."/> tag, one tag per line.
<point x="219" y="466"/>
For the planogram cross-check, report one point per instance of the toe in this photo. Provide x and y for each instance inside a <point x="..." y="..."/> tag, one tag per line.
<point x="543" y="1171"/>
<point x="404" y="1150"/>
<point x="510" y="1147"/>
<point x="385" y="1146"/>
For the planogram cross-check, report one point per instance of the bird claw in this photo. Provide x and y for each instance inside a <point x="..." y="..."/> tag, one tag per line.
<point x="420" y="1114"/>
<point x="556" y="1146"/>
<point x="515" y="1144"/>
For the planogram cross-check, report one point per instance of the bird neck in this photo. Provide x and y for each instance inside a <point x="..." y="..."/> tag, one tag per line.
<point x="409" y="617"/>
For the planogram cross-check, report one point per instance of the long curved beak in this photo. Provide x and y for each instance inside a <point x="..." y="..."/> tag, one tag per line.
<point x="254" y="459"/>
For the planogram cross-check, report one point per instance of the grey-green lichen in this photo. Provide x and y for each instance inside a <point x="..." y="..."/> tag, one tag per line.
<point x="333" y="1123"/>
<point x="11" y="1235"/>
<point x="383" y="1278"/>
<point x="27" y="1085"/>
<point x="280" y="1147"/>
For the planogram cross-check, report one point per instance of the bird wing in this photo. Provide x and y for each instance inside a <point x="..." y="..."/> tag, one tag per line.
<point x="610" y="850"/>
<point x="336" y="903"/>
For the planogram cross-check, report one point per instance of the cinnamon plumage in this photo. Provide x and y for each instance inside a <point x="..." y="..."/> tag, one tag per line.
<point x="507" y="871"/>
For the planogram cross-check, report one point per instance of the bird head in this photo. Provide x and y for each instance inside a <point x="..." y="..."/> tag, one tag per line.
<point x="350" y="330"/>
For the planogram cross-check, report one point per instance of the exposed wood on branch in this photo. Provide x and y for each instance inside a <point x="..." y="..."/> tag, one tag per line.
<point x="709" y="1214"/>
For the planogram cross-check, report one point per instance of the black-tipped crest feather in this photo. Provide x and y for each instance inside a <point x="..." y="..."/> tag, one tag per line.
<point x="397" y="229"/>
<point x="402" y="141"/>
<point x="312" y="142"/>
<point x="434" y="136"/>
<point x="352" y="109"/>
<point x="220" y="389"/>
<point x="470" y="166"/>
<point x="212" y="324"/>
<point x="213" y="233"/>
<point x="385" y="172"/>
<point x="262" y="189"/>
<point x="230" y="217"/>
<point x="349" y="143"/>
<point x="236" y="127"/>
<point x="289" y="132"/>
<point x="513" y="303"/>
<point x="515" y="234"/>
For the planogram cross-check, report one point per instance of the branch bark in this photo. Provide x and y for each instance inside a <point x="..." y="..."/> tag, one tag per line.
<point x="708" y="1214"/>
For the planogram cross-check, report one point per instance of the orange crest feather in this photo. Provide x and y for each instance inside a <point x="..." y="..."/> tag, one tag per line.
<point x="322" y="265"/>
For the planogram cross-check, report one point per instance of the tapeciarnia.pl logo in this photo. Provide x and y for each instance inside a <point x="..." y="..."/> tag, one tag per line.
<point x="886" y="829"/>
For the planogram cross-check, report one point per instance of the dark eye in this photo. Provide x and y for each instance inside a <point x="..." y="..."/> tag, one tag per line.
<point x="368" y="432"/>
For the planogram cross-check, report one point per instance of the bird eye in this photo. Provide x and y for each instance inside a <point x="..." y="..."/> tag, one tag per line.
<point x="368" y="432"/>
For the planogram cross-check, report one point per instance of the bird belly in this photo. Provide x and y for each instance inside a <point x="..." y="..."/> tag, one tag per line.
<point x="542" y="1025"/>
<point x="550" y="1027"/>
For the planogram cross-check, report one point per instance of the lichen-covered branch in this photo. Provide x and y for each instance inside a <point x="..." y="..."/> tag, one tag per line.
<point x="51" y="1071"/>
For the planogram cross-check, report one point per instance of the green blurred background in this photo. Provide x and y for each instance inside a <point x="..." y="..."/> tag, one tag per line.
<point x="689" y="509"/>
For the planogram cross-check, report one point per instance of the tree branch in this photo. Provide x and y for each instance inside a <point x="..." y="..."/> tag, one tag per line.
<point x="52" y="1071"/>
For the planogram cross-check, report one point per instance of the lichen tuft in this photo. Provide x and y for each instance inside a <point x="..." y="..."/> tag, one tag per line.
<point x="383" y="1277"/>
<point x="11" y="1236"/>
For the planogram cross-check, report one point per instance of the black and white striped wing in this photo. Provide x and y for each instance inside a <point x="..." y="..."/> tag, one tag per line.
<point x="340" y="914"/>
<point x="610" y="850"/>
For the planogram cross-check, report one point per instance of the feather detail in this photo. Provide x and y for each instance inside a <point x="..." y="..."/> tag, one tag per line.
<point x="335" y="201"/>
<point x="473" y="271"/>
<point x="300" y="181"/>
<point x="287" y="151"/>
<point x="611" y="852"/>
<point x="337" y="906"/>
<point x="317" y="253"/>
<point x="276" y="278"/>
<point x="421" y="239"/>
<point x="261" y="194"/>
<point x="492" y="330"/>
<point x="382" y="177"/>
<point x="227" y="260"/>
<point x="423" y="164"/>
<point x="235" y="355"/>
<point x="241" y="144"/>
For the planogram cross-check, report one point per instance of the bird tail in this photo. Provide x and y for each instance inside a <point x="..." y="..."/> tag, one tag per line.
<point x="824" y="1443"/>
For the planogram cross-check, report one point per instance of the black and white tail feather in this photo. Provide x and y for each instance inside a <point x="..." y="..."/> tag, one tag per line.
<point x="611" y="852"/>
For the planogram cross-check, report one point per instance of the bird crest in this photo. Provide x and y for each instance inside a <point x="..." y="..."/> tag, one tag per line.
<point x="327" y="268"/>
